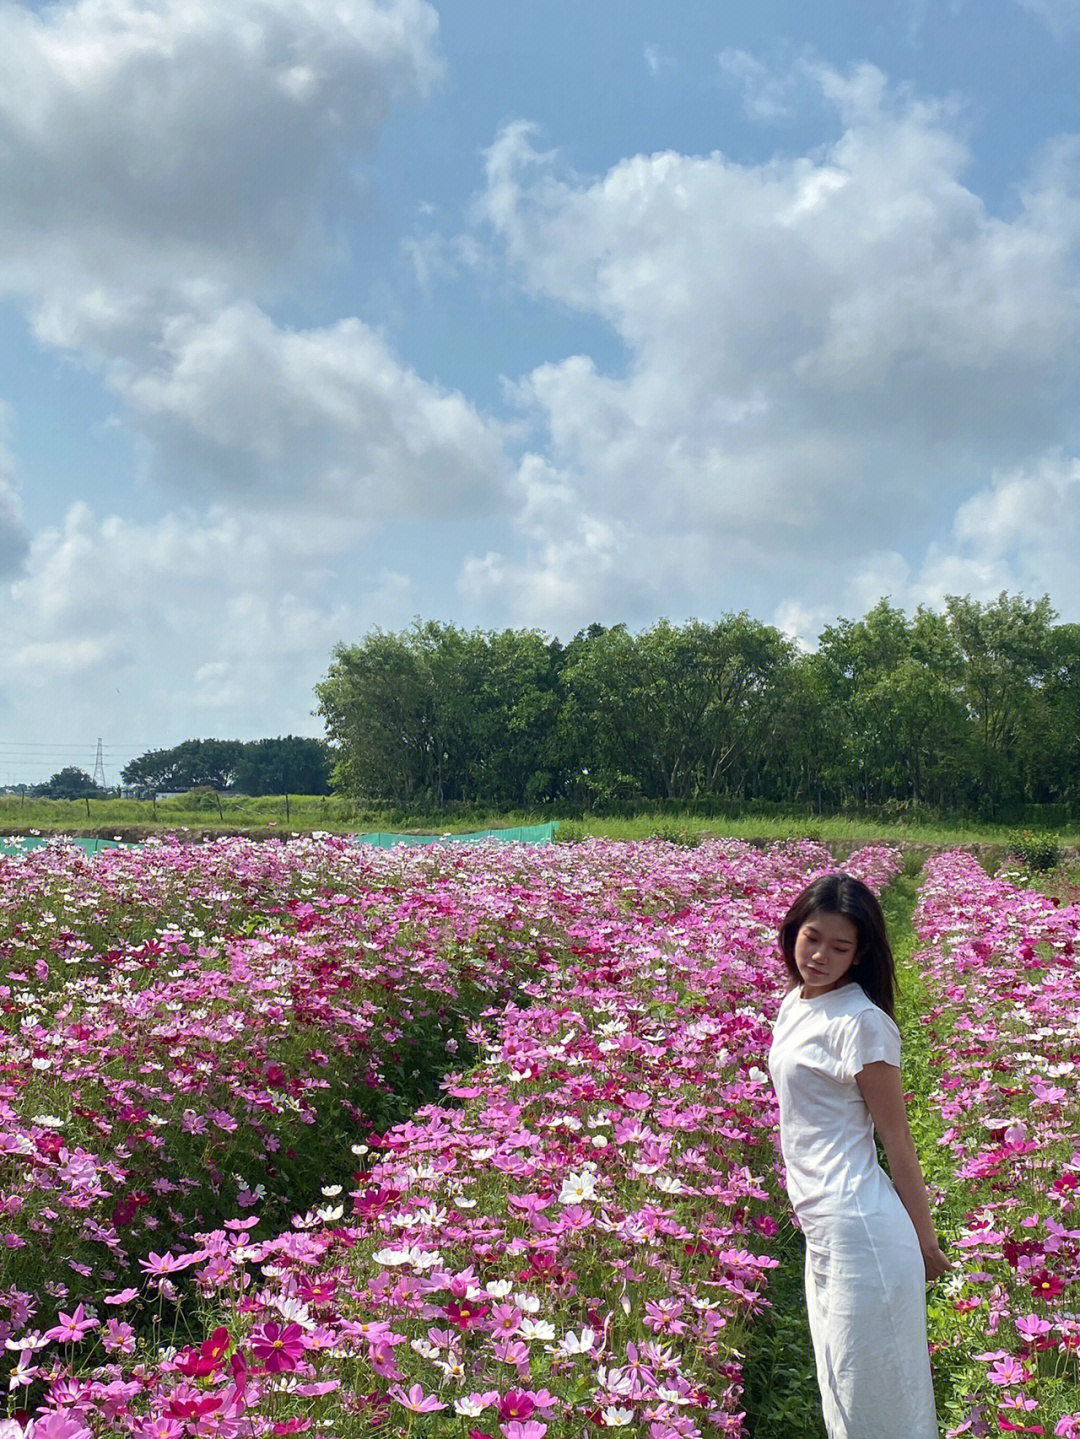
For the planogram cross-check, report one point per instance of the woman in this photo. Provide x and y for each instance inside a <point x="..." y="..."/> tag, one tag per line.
<point x="870" y="1240"/>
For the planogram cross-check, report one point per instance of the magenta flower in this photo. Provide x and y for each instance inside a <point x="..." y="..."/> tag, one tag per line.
<point x="278" y="1347"/>
<point x="530" y="1429"/>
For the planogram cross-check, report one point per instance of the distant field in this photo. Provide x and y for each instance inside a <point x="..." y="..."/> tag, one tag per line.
<point x="231" y="814"/>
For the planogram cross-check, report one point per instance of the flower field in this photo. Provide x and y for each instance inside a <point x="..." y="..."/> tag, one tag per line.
<point x="303" y="1138"/>
<point x="213" y="1224"/>
<point x="1003" y="965"/>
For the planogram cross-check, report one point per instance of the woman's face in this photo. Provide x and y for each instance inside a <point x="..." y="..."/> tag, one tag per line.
<point x="825" y="949"/>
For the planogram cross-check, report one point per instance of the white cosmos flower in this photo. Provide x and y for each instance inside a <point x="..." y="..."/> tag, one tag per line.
<point x="577" y="1188"/>
<point x="536" y="1329"/>
<point x="470" y="1407"/>
<point x="293" y="1310"/>
<point x="498" y="1288"/>
<point x="390" y="1257"/>
<point x="527" y="1303"/>
<point x="572" y="1343"/>
<point x="673" y="1396"/>
<point x="614" y="1417"/>
<point x="430" y="1216"/>
<point x="425" y="1349"/>
<point x="419" y="1259"/>
<point x="331" y="1191"/>
<point x="669" y="1184"/>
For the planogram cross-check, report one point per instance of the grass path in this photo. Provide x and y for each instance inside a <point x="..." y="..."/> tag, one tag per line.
<point x="781" y="1385"/>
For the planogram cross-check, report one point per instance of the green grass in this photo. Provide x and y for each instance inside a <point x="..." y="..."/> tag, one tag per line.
<point x="207" y="813"/>
<point x="840" y="829"/>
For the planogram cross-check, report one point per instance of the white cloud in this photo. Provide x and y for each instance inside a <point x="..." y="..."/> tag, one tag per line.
<point x="825" y="351"/>
<point x="659" y="60"/>
<point x="168" y="169"/>
<point x="1060" y="15"/>
<point x="766" y="96"/>
<point x="1020" y="532"/>
<point x="190" y="625"/>
<point x="150" y="142"/>
<point x="324" y="422"/>
<point x="13" y="538"/>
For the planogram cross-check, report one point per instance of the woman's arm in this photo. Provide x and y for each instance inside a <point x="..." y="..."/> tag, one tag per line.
<point x="880" y="1086"/>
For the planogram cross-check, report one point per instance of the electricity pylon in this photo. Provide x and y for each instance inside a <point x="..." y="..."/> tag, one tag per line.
<point x="99" y="768"/>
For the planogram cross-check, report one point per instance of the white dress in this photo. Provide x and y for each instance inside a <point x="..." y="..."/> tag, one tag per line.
<point x="865" y="1279"/>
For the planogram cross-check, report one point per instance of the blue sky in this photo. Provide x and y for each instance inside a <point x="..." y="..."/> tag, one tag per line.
<point x="323" y="316"/>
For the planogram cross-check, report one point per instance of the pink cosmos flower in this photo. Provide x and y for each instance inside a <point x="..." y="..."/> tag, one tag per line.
<point x="416" y="1401"/>
<point x="1009" y="1371"/>
<point x="1032" y="1327"/>
<point x="59" y="1426"/>
<point x="119" y="1338"/>
<point x="529" y="1430"/>
<point x="71" y="1327"/>
<point x="160" y="1427"/>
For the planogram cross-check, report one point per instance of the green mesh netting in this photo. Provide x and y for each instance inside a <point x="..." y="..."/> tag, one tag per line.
<point x="19" y="844"/>
<point x="524" y="834"/>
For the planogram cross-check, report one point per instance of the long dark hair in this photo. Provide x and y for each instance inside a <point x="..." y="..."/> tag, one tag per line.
<point x="873" y="968"/>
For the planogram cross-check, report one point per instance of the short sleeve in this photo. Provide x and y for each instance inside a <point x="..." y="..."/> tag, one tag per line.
<point x="872" y="1035"/>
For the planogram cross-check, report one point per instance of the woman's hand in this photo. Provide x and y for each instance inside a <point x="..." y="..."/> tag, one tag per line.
<point x="935" y="1262"/>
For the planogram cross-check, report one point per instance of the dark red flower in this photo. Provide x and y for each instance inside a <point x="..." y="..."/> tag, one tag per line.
<point x="1045" y="1284"/>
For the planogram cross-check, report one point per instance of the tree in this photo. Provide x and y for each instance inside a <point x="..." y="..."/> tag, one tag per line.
<point x="69" y="783"/>
<point x="194" y="762"/>
<point x="1007" y="651"/>
<point x="373" y="702"/>
<point x="289" y="765"/>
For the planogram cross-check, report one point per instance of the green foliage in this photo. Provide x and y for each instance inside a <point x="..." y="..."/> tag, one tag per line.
<point x="68" y="783"/>
<point x="968" y="712"/>
<point x="289" y="765"/>
<point x="194" y="763"/>
<point x="570" y="831"/>
<point x="292" y="765"/>
<point x="1036" y="850"/>
<point x="781" y="1391"/>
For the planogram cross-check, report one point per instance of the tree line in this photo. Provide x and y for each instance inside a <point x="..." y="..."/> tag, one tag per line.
<point x="973" y="709"/>
<point x="288" y="765"/>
